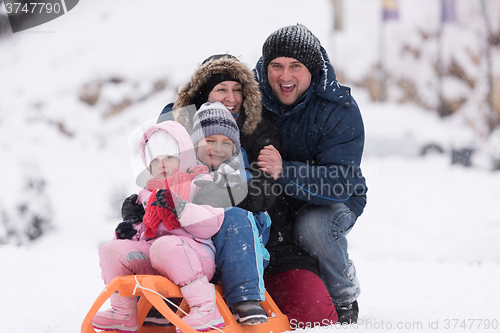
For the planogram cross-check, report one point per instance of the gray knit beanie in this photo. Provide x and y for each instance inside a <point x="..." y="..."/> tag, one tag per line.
<point x="294" y="41"/>
<point x="214" y="118"/>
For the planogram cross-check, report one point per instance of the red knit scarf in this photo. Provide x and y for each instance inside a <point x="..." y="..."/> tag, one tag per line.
<point x="161" y="206"/>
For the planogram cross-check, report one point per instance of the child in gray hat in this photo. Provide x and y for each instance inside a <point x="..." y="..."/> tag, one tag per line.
<point x="216" y="139"/>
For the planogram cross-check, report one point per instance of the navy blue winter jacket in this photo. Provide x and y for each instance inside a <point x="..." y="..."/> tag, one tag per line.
<point x="322" y="139"/>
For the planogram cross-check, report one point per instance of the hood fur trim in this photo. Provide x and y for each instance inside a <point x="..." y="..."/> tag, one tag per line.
<point x="251" y="109"/>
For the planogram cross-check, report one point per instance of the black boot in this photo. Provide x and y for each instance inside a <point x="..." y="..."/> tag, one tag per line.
<point x="348" y="313"/>
<point x="155" y="318"/>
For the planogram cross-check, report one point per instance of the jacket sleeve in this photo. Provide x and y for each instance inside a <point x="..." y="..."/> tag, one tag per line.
<point x="260" y="195"/>
<point x="266" y="134"/>
<point x="335" y="174"/>
<point x="201" y="220"/>
<point x="140" y="229"/>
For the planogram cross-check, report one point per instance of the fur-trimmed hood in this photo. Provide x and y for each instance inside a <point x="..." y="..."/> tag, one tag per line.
<point x="251" y="109"/>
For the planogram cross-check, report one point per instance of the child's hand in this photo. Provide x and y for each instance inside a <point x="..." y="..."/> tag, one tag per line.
<point x="270" y="161"/>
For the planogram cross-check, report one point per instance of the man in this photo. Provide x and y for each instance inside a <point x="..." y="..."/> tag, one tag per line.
<point x="323" y="189"/>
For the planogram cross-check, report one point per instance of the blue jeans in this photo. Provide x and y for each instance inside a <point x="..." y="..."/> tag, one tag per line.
<point x="321" y="231"/>
<point x="241" y="256"/>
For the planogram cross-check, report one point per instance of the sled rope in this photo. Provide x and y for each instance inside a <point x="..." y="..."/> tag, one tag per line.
<point x="138" y="285"/>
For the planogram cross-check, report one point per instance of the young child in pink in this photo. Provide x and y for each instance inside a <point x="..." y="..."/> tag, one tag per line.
<point x="174" y="239"/>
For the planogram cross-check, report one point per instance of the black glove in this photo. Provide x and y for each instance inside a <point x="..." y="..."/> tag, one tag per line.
<point x="260" y="197"/>
<point x="131" y="210"/>
<point x="269" y="188"/>
<point x="125" y="229"/>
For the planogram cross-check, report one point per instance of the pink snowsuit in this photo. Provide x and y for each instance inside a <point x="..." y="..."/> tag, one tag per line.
<point x="182" y="255"/>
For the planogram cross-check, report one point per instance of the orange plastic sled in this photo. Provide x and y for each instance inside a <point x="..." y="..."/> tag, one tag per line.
<point x="131" y="285"/>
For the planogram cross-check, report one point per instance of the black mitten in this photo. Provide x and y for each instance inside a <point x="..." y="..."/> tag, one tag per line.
<point x="267" y="184"/>
<point x="254" y="200"/>
<point x="132" y="210"/>
<point x="125" y="230"/>
<point x="260" y="197"/>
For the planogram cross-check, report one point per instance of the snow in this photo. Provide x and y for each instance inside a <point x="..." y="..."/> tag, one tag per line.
<point x="426" y="249"/>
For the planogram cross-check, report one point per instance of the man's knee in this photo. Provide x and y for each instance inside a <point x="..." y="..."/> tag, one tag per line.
<point x="327" y="219"/>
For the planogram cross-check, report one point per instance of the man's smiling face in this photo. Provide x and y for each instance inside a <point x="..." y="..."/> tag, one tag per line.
<point x="289" y="79"/>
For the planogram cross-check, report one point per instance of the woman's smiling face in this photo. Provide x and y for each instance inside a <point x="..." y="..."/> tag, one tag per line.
<point x="229" y="93"/>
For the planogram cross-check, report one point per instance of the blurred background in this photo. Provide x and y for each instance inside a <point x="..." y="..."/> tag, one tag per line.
<point x="73" y="89"/>
<point x="425" y="74"/>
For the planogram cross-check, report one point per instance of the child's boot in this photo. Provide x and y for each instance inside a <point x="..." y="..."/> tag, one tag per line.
<point x="203" y="314"/>
<point x="121" y="317"/>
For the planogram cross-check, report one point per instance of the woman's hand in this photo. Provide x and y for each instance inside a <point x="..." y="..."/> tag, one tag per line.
<point x="270" y="161"/>
<point x="131" y="210"/>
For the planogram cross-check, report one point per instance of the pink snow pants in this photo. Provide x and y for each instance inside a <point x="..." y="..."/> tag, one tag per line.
<point x="180" y="259"/>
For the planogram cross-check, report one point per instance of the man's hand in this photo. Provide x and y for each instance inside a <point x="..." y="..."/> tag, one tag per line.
<point x="269" y="160"/>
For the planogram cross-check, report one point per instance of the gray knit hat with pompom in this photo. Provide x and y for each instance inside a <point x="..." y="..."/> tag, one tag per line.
<point x="214" y="118"/>
<point x="294" y="41"/>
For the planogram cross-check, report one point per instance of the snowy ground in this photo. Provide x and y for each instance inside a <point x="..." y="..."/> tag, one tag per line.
<point x="426" y="251"/>
<point x="426" y="248"/>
